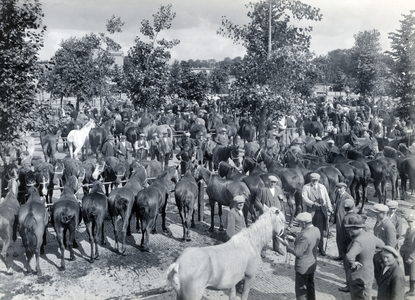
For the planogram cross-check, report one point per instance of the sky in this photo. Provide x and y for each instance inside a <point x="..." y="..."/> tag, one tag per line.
<point x="197" y="22"/>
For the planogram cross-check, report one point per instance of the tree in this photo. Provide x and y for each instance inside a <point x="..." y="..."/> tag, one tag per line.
<point x="147" y="72"/>
<point x="218" y="78"/>
<point x="270" y="83"/>
<point x="21" y="37"/>
<point x="365" y="59"/>
<point x="403" y="70"/>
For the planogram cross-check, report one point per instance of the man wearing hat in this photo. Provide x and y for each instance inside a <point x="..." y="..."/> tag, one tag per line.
<point x="272" y="145"/>
<point x="395" y="219"/>
<point x="165" y="149"/>
<point x="359" y="258"/>
<point x="141" y="147"/>
<point x="350" y="212"/>
<point x="385" y="231"/>
<point x="391" y="282"/>
<point x="123" y="148"/>
<point x="186" y="140"/>
<point x="305" y="251"/>
<point x="236" y="220"/>
<point x="339" y="213"/>
<point x="222" y="138"/>
<point x="207" y="148"/>
<point x="317" y="202"/>
<point x="272" y="196"/>
<point x="344" y="126"/>
<point x="407" y="252"/>
<point x="154" y="147"/>
<point x="108" y="148"/>
<point x="297" y="146"/>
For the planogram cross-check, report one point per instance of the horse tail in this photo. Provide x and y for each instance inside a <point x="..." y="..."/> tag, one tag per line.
<point x="173" y="276"/>
<point x="121" y="203"/>
<point x="66" y="216"/>
<point x="29" y="225"/>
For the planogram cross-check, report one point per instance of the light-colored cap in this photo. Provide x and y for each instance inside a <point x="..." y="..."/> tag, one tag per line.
<point x="272" y="178"/>
<point x="341" y="184"/>
<point x="317" y="138"/>
<point x="355" y="221"/>
<point x="410" y="218"/>
<point x="155" y="134"/>
<point x="314" y="176"/>
<point x="392" y="250"/>
<point x="330" y="142"/>
<point x="187" y="133"/>
<point x="380" y="208"/>
<point x="239" y="199"/>
<point x="348" y="203"/>
<point x="304" y="217"/>
<point x="392" y="204"/>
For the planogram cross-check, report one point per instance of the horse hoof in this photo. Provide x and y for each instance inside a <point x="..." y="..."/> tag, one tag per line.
<point x="9" y="272"/>
<point x="153" y="232"/>
<point x="72" y="258"/>
<point x="91" y="261"/>
<point x="103" y="243"/>
<point x="188" y="239"/>
<point x="165" y="231"/>
<point x="210" y="229"/>
<point x="62" y="268"/>
<point x="97" y="258"/>
<point x="145" y="249"/>
<point x="221" y="229"/>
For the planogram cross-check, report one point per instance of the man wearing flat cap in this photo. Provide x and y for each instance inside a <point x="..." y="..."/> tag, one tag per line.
<point x="272" y="196"/>
<point x="141" y="147"/>
<point x="385" y="231"/>
<point x="207" y="148"/>
<point x="391" y="281"/>
<point x="317" y="202"/>
<point x="339" y="213"/>
<point x="154" y="147"/>
<point x="108" y="148"/>
<point x="235" y="221"/>
<point x="272" y="144"/>
<point x="359" y="258"/>
<point x="222" y="138"/>
<point x="396" y="220"/>
<point x="407" y="252"/>
<point x="305" y="251"/>
<point x="346" y="238"/>
<point x="123" y="148"/>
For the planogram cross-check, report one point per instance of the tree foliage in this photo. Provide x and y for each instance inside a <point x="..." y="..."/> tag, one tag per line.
<point x="271" y="84"/>
<point x="365" y="59"/>
<point x="147" y="70"/>
<point x="21" y="37"/>
<point x="403" y="71"/>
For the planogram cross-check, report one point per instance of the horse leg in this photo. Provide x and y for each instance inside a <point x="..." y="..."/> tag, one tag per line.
<point x="145" y="237"/>
<point x="220" y="217"/>
<point x="6" y="243"/>
<point x="212" y="215"/>
<point x="182" y="217"/>
<point x="60" y="237"/>
<point x="403" y="185"/>
<point x="163" y="215"/>
<point x="37" y="255"/>
<point x="89" y="230"/>
<point x="125" y="222"/>
<point x="114" y="223"/>
<point x="70" y="146"/>
<point x="247" y="286"/>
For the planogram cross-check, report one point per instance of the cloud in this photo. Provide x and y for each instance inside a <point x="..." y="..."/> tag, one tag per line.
<point x="197" y="21"/>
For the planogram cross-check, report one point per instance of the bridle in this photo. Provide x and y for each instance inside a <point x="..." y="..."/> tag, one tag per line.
<point x="259" y="155"/>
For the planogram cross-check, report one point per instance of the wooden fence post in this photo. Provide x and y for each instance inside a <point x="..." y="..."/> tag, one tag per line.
<point x="200" y="202"/>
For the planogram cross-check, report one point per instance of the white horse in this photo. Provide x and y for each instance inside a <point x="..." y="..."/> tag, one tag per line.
<point x="79" y="138"/>
<point x="223" y="266"/>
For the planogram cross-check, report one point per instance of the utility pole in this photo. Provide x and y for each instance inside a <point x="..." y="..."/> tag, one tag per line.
<point x="269" y="29"/>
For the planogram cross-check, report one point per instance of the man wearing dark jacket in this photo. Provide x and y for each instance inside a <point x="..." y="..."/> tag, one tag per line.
<point x="391" y="282"/>
<point x="305" y="251"/>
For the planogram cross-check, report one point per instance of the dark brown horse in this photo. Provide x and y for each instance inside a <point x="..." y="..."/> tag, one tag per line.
<point x="94" y="208"/>
<point x="33" y="218"/>
<point x="153" y="199"/>
<point x="223" y="153"/>
<point x="185" y="194"/>
<point x="44" y="176"/>
<point x="49" y="143"/>
<point x="9" y="210"/>
<point x="98" y="136"/>
<point x="120" y="203"/>
<point x="221" y="191"/>
<point x="66" y="215"/>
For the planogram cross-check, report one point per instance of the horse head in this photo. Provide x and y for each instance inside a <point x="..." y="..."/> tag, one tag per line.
<point x="12" y="186"/>
<point x="97" y="187"/>
<point x="72" y="184"/>
<point x="120" y="171"/>
<point x="99" y="168"/>
<point x="278" y="219"/>
<point x="58" y="169"/>
<point x="33" y="193"/>
<point x="235" y="155"/>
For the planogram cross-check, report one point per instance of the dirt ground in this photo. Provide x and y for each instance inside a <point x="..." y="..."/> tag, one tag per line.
<point x="139" y="275"/>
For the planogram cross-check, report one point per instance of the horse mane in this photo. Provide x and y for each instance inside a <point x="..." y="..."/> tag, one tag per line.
<point x="389" y="151"/>
<point x="404" y="149"/>
<point x="259" y="233"/>
<point x="97" y="187"/>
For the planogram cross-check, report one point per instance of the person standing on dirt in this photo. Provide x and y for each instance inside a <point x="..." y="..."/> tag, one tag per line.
<point x="236" y="220"/>
<point x="305" y="251"/>
<point x="407" y="252"/>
